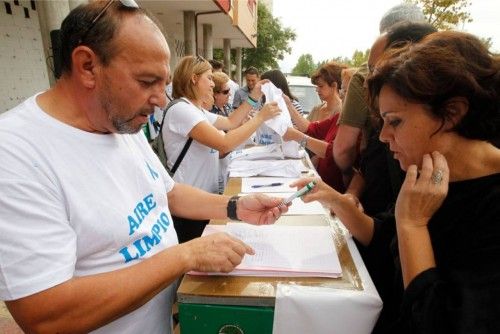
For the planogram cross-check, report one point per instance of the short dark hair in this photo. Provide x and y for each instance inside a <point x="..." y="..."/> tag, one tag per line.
<point x="216" y="65"/>
<point x="279" y="80"/>
<point x="99" y="38"/>
<point x="408" y="32"/>
<point x="251" y="70"/>
<point x="444" y="65"/>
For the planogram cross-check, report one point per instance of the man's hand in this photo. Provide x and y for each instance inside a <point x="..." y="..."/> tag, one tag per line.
<point x="218" y="252"/>
<point x="259" y="209"/>
<point x="256" y="92"/>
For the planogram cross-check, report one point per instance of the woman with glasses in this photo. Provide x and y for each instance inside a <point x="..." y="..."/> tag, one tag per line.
<point x="192" y="82"/>
<point x="221" y="94"/>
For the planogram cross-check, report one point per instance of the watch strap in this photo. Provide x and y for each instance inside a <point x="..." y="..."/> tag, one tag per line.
<point x="231" y="208"/>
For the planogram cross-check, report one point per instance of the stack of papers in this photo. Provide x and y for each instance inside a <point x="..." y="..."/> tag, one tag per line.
<point x="267" y="152"/>
<point x="277" y="253"/>
<point x="280" y="168"/>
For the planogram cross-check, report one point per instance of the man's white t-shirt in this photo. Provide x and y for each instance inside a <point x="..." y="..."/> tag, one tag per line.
<point x="200" y="166"/>
<point x="76" y="203"/>
<point x="233" y="87"/>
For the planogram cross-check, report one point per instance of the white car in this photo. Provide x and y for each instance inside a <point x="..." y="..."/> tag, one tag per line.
<point x="304" y="91"/>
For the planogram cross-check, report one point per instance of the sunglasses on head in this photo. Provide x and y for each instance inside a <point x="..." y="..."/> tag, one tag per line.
<point x="124" y="3"/>
<point x="199" y="59"/>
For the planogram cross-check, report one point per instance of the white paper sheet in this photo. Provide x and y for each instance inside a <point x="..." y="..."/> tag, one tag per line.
<point x="338" y="311"/>
<point x="276" y="249"/>
<point x="267" y="185"/>
<point x="277" y="254"/>
<point x="281" y="122"/>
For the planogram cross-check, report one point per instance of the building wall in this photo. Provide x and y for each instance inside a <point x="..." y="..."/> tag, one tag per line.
<point x="22" y="61"/>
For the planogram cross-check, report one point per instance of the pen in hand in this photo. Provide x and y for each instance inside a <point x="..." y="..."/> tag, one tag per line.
<point x="274" y="184"/>
<point x="307" y="188"/>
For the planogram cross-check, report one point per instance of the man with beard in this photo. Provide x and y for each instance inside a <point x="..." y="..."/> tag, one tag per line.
<point x="86" y="238"/>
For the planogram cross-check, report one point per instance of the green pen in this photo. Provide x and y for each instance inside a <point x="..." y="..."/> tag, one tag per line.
<point x="301" y="192"/>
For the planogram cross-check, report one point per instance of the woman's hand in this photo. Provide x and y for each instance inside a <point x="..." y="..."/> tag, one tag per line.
<point x="270" y="110"/>
<point x="421" y="195"/>
<point x="321" y="191"/>
<point x="292" y="134"/>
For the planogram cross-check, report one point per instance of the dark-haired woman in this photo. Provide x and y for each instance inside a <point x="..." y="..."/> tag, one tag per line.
<point x="440" y="105"/>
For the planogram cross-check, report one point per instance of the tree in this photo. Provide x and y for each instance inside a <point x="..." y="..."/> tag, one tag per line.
<point x="445" y="14"/>
<point x="359" y="57"/>
<point x="272" y="42"/>
<point x="487" y="42"/>
<point x="305" y="66"/>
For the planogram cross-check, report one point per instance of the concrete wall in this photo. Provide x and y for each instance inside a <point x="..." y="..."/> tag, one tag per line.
<point x="22" y="61"/>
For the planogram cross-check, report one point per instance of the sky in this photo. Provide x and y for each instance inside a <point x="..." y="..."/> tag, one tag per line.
<point x="336" y="28"/>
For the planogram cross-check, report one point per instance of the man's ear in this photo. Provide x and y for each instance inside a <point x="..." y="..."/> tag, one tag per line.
<point x="84" y="62"/>
<point x="456" y="108"/>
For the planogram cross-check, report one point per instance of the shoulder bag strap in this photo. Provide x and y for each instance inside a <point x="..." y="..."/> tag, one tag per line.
<point x="186" y="145"/>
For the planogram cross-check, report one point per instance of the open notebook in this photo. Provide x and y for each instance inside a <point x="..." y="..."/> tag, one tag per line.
<point x="283" y="251"/>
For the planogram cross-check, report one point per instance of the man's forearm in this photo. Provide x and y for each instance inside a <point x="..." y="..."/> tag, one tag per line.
<point x="190" y="202"/>
<point x="345" y="147"/>
<point x="85" y="303"/>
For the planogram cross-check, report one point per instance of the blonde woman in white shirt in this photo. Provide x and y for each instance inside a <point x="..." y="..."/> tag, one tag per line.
<point x="193" y="82"/>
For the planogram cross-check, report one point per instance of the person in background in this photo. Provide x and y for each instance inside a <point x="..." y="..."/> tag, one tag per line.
<point x="354" y="124"/>
<point x="186" y="119"/>
<point x="318" y="136"/>
<point x="328" y="83"/>
<point x="208" y="103"/>
<point x="377" y="180"/>
<point x="86" y="233"/>
<point x="443" y="242"/>
<point x="221" y="94"/>
<point x="252" y="77"/>
<point x="218" y="66"/>
<point x="404" y="12"/>
<point x="221" y="107"/>
<point x="346" y="77"/>
<point x="279" y="80"/>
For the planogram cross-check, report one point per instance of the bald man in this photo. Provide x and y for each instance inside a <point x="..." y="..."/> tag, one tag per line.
<point x="86" y="232"/>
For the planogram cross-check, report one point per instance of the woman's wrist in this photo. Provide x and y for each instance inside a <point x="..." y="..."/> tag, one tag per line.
<point x="254" y="98"/>
<point x="303" y="141"/>
<point x="252" y="102"/>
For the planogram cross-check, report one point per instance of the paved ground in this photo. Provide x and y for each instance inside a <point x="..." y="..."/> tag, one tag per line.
<point x="7" y="324"/>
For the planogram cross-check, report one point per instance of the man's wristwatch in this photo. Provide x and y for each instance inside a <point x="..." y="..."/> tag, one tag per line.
<point x="231" y="208"/>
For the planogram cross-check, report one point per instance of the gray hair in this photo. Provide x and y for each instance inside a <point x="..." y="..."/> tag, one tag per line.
<point x="403" y="12"/>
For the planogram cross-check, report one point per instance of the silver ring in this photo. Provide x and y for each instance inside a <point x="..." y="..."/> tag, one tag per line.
<point x="437" y="176"/>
